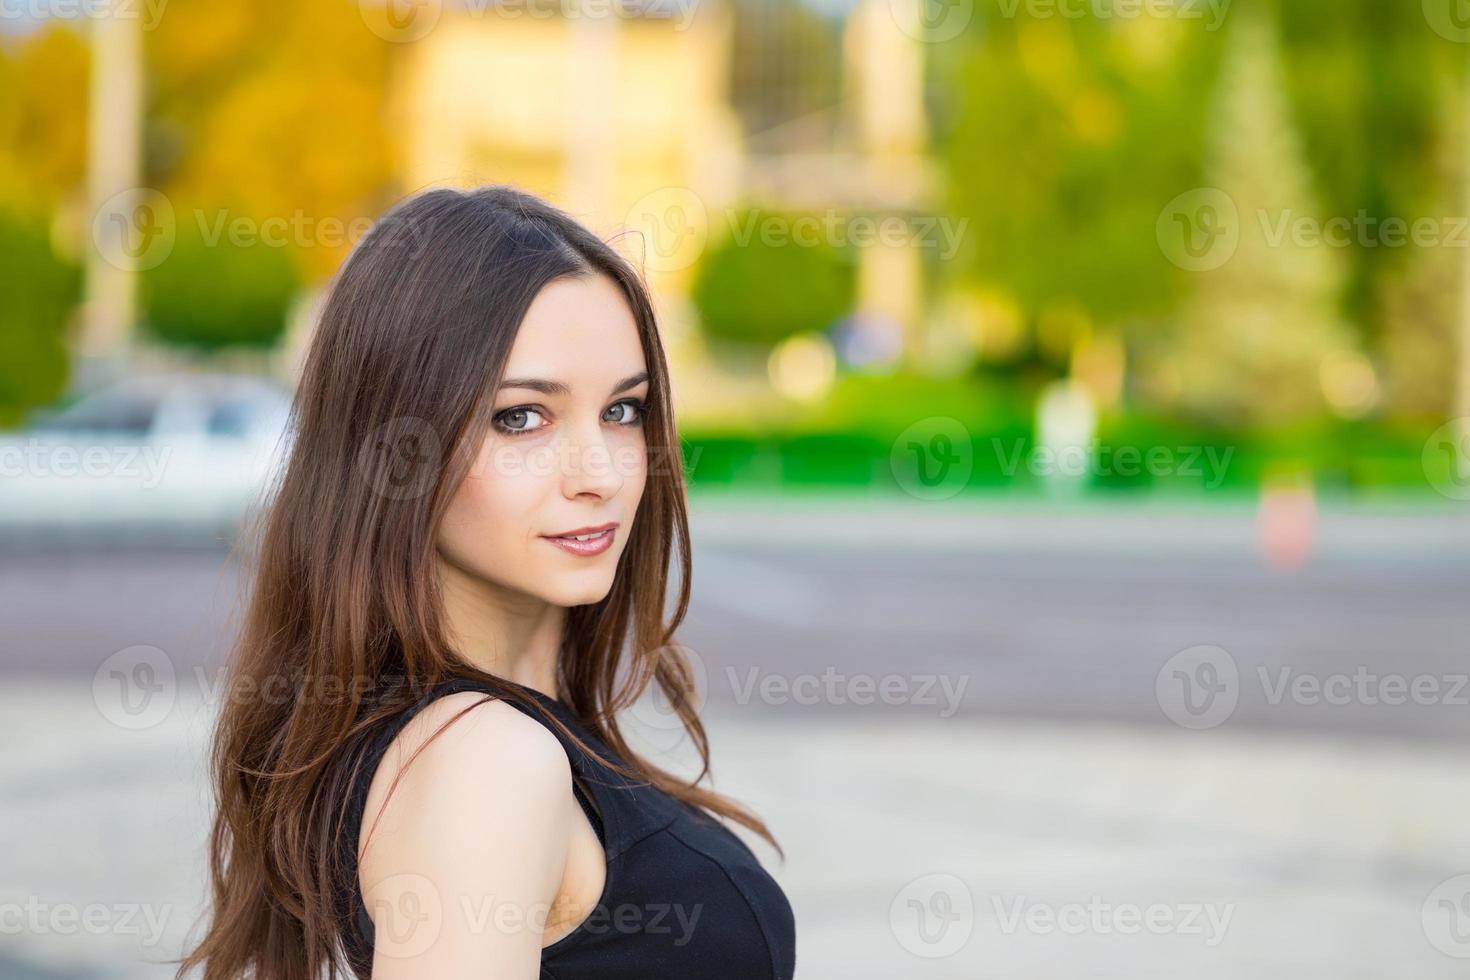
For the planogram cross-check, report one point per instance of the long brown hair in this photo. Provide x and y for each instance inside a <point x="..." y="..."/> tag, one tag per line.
<point x="344" y="629"/>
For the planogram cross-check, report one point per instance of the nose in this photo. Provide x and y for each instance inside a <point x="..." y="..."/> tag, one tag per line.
<point x="588" y="466"/>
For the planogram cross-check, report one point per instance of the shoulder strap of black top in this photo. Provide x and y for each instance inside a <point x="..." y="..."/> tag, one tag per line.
<point x="584" y="798"/>
<point x="358" y="937"/>
<point x="631" y="809"/>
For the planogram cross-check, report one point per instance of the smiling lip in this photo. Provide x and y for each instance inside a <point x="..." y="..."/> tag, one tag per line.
<point x="601" y="540"/>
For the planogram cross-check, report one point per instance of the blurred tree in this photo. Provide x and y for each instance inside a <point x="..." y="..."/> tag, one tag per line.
<point x="772" y="284"/>
<point x="1366" y="83"/>
<point x="274" y="109"/>
<point x="1065" y="136"/>
<point x="1063" y="141"/>
<point x="40" y="292"/>
<point x="43" y="123"/>
<point x="1419" y="297"/>
<point x="212" y="294"/>
<point x="43" y="119"/>
<point x="1251" y="341"/>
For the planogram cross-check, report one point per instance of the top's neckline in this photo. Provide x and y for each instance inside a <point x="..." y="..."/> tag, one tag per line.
<point x="541" y="696"/>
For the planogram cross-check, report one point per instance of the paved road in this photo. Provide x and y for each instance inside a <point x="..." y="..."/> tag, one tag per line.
<point x="1125" y="614"/>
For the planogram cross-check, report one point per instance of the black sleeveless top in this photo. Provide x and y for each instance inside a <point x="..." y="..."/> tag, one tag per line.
<point x="684" y="896"/>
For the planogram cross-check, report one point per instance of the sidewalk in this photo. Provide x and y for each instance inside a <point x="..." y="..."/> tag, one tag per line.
<point x="1021" y="850"/>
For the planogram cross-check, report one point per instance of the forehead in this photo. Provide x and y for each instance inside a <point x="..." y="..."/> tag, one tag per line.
<point x="576" y="329"/>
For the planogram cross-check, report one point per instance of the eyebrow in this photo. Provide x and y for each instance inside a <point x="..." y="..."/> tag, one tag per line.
<point x="558" y="388"/>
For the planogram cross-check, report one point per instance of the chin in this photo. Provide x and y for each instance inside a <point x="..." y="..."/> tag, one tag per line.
<point x="577" y="590"/>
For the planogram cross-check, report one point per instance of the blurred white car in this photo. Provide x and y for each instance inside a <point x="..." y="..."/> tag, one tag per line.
<point x="186" y="451"/>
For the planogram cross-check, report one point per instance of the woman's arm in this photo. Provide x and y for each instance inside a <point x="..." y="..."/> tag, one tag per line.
<point x="471" y="847"/>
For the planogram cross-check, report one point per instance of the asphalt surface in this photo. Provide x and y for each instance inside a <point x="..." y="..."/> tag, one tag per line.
<point x="1121" y="615"/>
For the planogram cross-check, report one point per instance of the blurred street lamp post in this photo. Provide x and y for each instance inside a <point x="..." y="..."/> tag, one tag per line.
<point x="1462" y="374"/>
<point x="887" y="69"/>
<point x="113" y="168"/>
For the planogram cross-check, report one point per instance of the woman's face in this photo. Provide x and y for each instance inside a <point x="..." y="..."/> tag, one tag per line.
<point x="565" y="451"/>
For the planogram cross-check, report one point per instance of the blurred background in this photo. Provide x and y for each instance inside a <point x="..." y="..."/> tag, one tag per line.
<point x="1075" y="398"/>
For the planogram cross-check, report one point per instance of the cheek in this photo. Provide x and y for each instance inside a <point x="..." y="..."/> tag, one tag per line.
<point x="491" y="515"/>
<point x="632" y="459"/>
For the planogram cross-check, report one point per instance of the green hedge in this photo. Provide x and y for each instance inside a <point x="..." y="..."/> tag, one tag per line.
<point x="40" y="292"/>
<point x="210" y="294"/>
<point x="1348" y="457"/>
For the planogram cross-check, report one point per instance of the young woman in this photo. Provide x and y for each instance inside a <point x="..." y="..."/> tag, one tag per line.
<point x="459" y="583"/>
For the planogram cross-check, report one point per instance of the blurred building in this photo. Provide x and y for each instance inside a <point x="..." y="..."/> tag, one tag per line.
<point x="663" y="121"/>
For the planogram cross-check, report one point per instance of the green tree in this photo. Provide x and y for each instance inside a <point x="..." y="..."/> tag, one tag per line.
<point x="760" y="284"/>
<point x="1063" y="138"/>
<point x="1366" y="81"/>
<point x="212" y="294"/>
<point x="1249" y="345"/>
<point x="40" y="292"/>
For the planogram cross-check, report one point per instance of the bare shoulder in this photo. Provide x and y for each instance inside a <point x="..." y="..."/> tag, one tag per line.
<point x="489" y="737"/>
<point x="482" y="811"/>
<point x="466" y="749"/>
